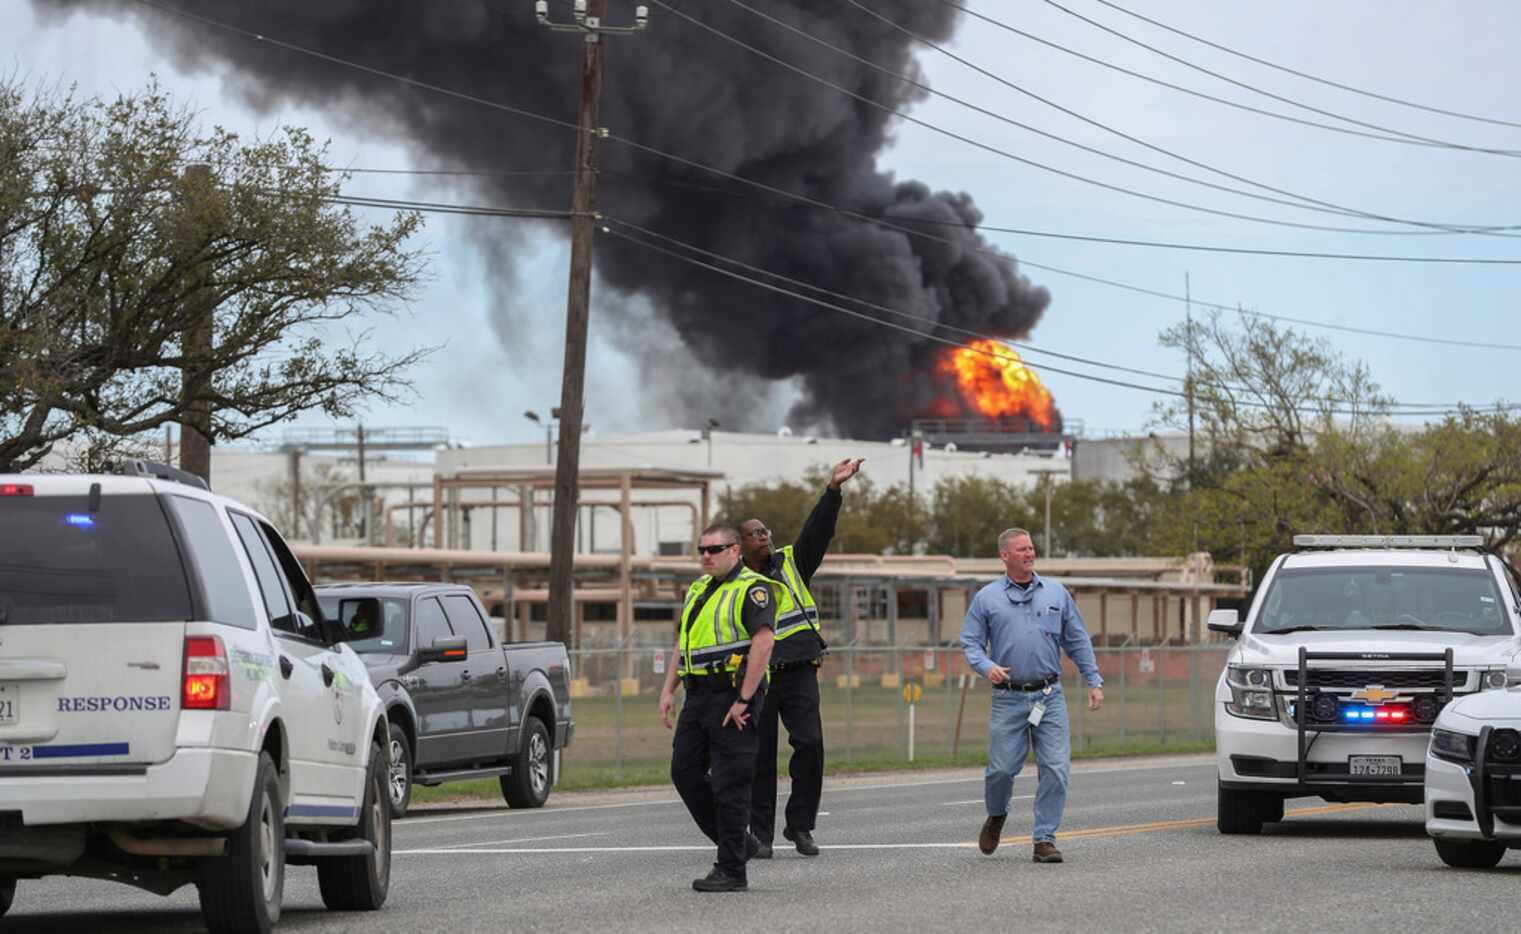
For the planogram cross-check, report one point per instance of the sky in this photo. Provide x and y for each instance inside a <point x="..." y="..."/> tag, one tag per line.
<point x="1458" y="57"/>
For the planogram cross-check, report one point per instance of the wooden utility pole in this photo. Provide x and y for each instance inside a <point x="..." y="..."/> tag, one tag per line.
<point x="589" y="16"/>
<point x="196" y="345"/>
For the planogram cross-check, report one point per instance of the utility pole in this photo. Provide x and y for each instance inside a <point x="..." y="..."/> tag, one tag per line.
<point x="196" y="344"/>
<point x="1188" y="381"/>
<point x="588" y="16"/>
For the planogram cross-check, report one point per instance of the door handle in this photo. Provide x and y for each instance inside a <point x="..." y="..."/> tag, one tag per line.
<point x="501" y="672"/>
<point x="286" y="667"/>
<point x="464" y="676"/>
<point x="327" y="676"/>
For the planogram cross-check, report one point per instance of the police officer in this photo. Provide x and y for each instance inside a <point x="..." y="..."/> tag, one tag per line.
<point x="1015" y="631"/>
<point x="724" y="645"/>
<point x="793" y="696"/>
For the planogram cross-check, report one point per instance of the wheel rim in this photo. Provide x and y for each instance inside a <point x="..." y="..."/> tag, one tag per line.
<point x="378" y="828"/>
<point x="538" y="764"/>
<point x="398" y="774"/>
<point x="268" y="870"/>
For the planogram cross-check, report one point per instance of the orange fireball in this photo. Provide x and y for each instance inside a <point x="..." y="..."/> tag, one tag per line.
<point x="996" y="382"/>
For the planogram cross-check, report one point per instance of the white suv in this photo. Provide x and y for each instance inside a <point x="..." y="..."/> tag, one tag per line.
<point x="1473" y="779"/>
<point x="1349" y="652"/>
<point x="174" y="709"/>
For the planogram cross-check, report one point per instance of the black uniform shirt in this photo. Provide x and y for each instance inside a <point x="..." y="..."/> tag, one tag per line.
<point x="808" y="551"/>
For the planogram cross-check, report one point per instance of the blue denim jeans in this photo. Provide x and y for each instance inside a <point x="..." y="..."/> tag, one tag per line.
<point x="1009" y="734"/>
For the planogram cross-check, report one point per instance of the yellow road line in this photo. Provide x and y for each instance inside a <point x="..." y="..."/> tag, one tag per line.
<point x="1125" y="829"/>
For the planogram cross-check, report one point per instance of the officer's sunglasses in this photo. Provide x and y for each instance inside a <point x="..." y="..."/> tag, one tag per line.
<point x="714" y="549"/>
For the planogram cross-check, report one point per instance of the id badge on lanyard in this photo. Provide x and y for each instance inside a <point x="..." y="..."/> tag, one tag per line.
<point x="1039" y="709"/>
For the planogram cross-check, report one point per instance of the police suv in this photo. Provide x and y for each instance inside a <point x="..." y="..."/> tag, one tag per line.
<point x="1351" y="649"/>
<point x="1473" y="778"/>
<point x="174" y="709"/>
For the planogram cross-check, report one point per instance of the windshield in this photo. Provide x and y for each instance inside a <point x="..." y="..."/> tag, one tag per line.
<point x="1439" y="599"/>
<point x="62" y="563"/>
<point x="390" y="635"/>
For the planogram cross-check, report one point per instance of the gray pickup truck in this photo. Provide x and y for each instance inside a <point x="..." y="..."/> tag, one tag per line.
<point x="460" y="704"/>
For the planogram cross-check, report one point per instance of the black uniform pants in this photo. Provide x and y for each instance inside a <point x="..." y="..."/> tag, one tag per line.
<point x="712" y="766"/>
<point x="792" y="698"/>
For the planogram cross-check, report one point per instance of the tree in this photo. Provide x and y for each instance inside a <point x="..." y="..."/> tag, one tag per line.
<point x="969" y="512"/>
<point x="111" y="255"/>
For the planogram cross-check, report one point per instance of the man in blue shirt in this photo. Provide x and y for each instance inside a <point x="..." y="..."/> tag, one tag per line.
<point x="1014" y="634"/>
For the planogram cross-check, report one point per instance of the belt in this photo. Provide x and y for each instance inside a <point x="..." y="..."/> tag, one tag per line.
<point x="1028" y="686"/>
<point x="800" y="663"/>
<point x="715" y="682"/>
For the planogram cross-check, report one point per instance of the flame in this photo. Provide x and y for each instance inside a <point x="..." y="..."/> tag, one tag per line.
<point x="996" y="382"/>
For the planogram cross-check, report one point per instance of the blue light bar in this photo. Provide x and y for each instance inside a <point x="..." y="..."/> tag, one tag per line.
<point x="79" y="520"/>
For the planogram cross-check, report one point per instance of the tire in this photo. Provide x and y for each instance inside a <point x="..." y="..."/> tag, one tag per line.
<point x="532" y="769"/>
<point x="1238" y="812"/>
<point x="399" y="778"/>
<point x="7" y="895"/>
<point x="360" y="883"/>
<point x="242" y="889"/>
<point x="1470" y="854"/>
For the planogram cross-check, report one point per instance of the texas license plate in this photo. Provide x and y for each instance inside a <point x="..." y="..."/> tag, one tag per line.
<point x="1375" y="765"/>
<point x="10" y="704"/>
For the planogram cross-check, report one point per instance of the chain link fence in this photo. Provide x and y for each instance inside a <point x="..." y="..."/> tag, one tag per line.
<point x="1155" y="698"/>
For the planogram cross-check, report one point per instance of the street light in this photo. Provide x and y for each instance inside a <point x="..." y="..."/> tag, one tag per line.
<point x="1048" y="472"/>
<point x="707" y="435"/>
<point x="549" y="431"/>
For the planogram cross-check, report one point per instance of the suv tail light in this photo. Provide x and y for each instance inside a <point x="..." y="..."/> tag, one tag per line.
<point x="15" y="489"/>
<point x="207" y="685"/>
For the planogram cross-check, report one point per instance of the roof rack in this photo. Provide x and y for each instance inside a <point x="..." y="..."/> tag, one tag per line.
<point x="137" y="467"/>
<point x="1388" y="541"/>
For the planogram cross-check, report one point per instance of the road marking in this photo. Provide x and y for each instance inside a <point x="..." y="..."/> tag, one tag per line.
<point x="549" y="811"/>
<point x="561" y="836"/>
<point x="1127" y="829"/>
<point x="1092" y="832"/>
<point x="946" y="804"/>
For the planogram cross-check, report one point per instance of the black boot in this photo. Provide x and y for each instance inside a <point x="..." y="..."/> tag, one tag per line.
<point x="720" y="881"/>
<point x="803" y="840"/>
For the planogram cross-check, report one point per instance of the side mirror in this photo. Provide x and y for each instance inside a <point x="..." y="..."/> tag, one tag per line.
<point x="447" y="649"/>
<point x="359" y="618"/>
<point x="1225" y="621"/>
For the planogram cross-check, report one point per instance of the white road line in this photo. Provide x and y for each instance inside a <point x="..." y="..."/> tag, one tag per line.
<point x="561" y="836"/>
<point x="946" y="804"/>
<point x="664" y="849"/>
<point x="551" y="811"/>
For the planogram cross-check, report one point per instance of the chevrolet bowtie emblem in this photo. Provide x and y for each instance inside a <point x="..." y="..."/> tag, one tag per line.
<point x="1374" y="694"/>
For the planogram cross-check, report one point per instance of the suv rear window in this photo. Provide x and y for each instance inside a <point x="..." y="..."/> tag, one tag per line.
<point x="1342" y="598"/>
<point x="61" y="563"/>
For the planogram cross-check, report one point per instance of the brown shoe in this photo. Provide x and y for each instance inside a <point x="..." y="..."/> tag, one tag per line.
<point x="992" y="830"/>
<point x="1047" y="853"/>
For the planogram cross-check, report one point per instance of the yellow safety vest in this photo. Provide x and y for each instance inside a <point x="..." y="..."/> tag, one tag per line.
<point x="796" y="610"/>
<point x="714" y="639"/>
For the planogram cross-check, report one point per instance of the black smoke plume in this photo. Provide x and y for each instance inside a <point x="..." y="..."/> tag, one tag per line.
<point x="682" y="90"/>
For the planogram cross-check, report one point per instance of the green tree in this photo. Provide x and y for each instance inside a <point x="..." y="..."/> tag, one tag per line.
<point x="111" y="254"/>
<point x="969" y="512"/>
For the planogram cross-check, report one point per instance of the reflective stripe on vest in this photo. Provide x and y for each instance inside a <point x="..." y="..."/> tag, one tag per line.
<point x="795" y="609"/>
<point x="717" y="634"/>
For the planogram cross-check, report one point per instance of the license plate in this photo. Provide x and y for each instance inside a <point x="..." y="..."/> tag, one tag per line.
<point x="10" y="704"/>
<point x="1375" y="765"/>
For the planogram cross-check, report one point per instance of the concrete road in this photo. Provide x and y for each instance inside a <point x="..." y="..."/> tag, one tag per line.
<point x="899" y="855"/>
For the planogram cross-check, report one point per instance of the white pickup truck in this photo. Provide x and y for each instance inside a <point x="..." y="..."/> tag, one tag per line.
<point x="1349" y="652"/>
<point x="174" y="708"/>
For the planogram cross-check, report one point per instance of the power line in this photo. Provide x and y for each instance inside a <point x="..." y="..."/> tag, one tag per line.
<point x="844" y="211"/>
<point x="1307" y="76"/>
<point x="1277" y="97"/>
<point x="1311" y="204"/>
<point x="965" y="332"/>
<point x="988" y="147"/>
<point x="1288" y="118"/>
<point x="961" y="346"/>
<point x="434" y="207"/>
